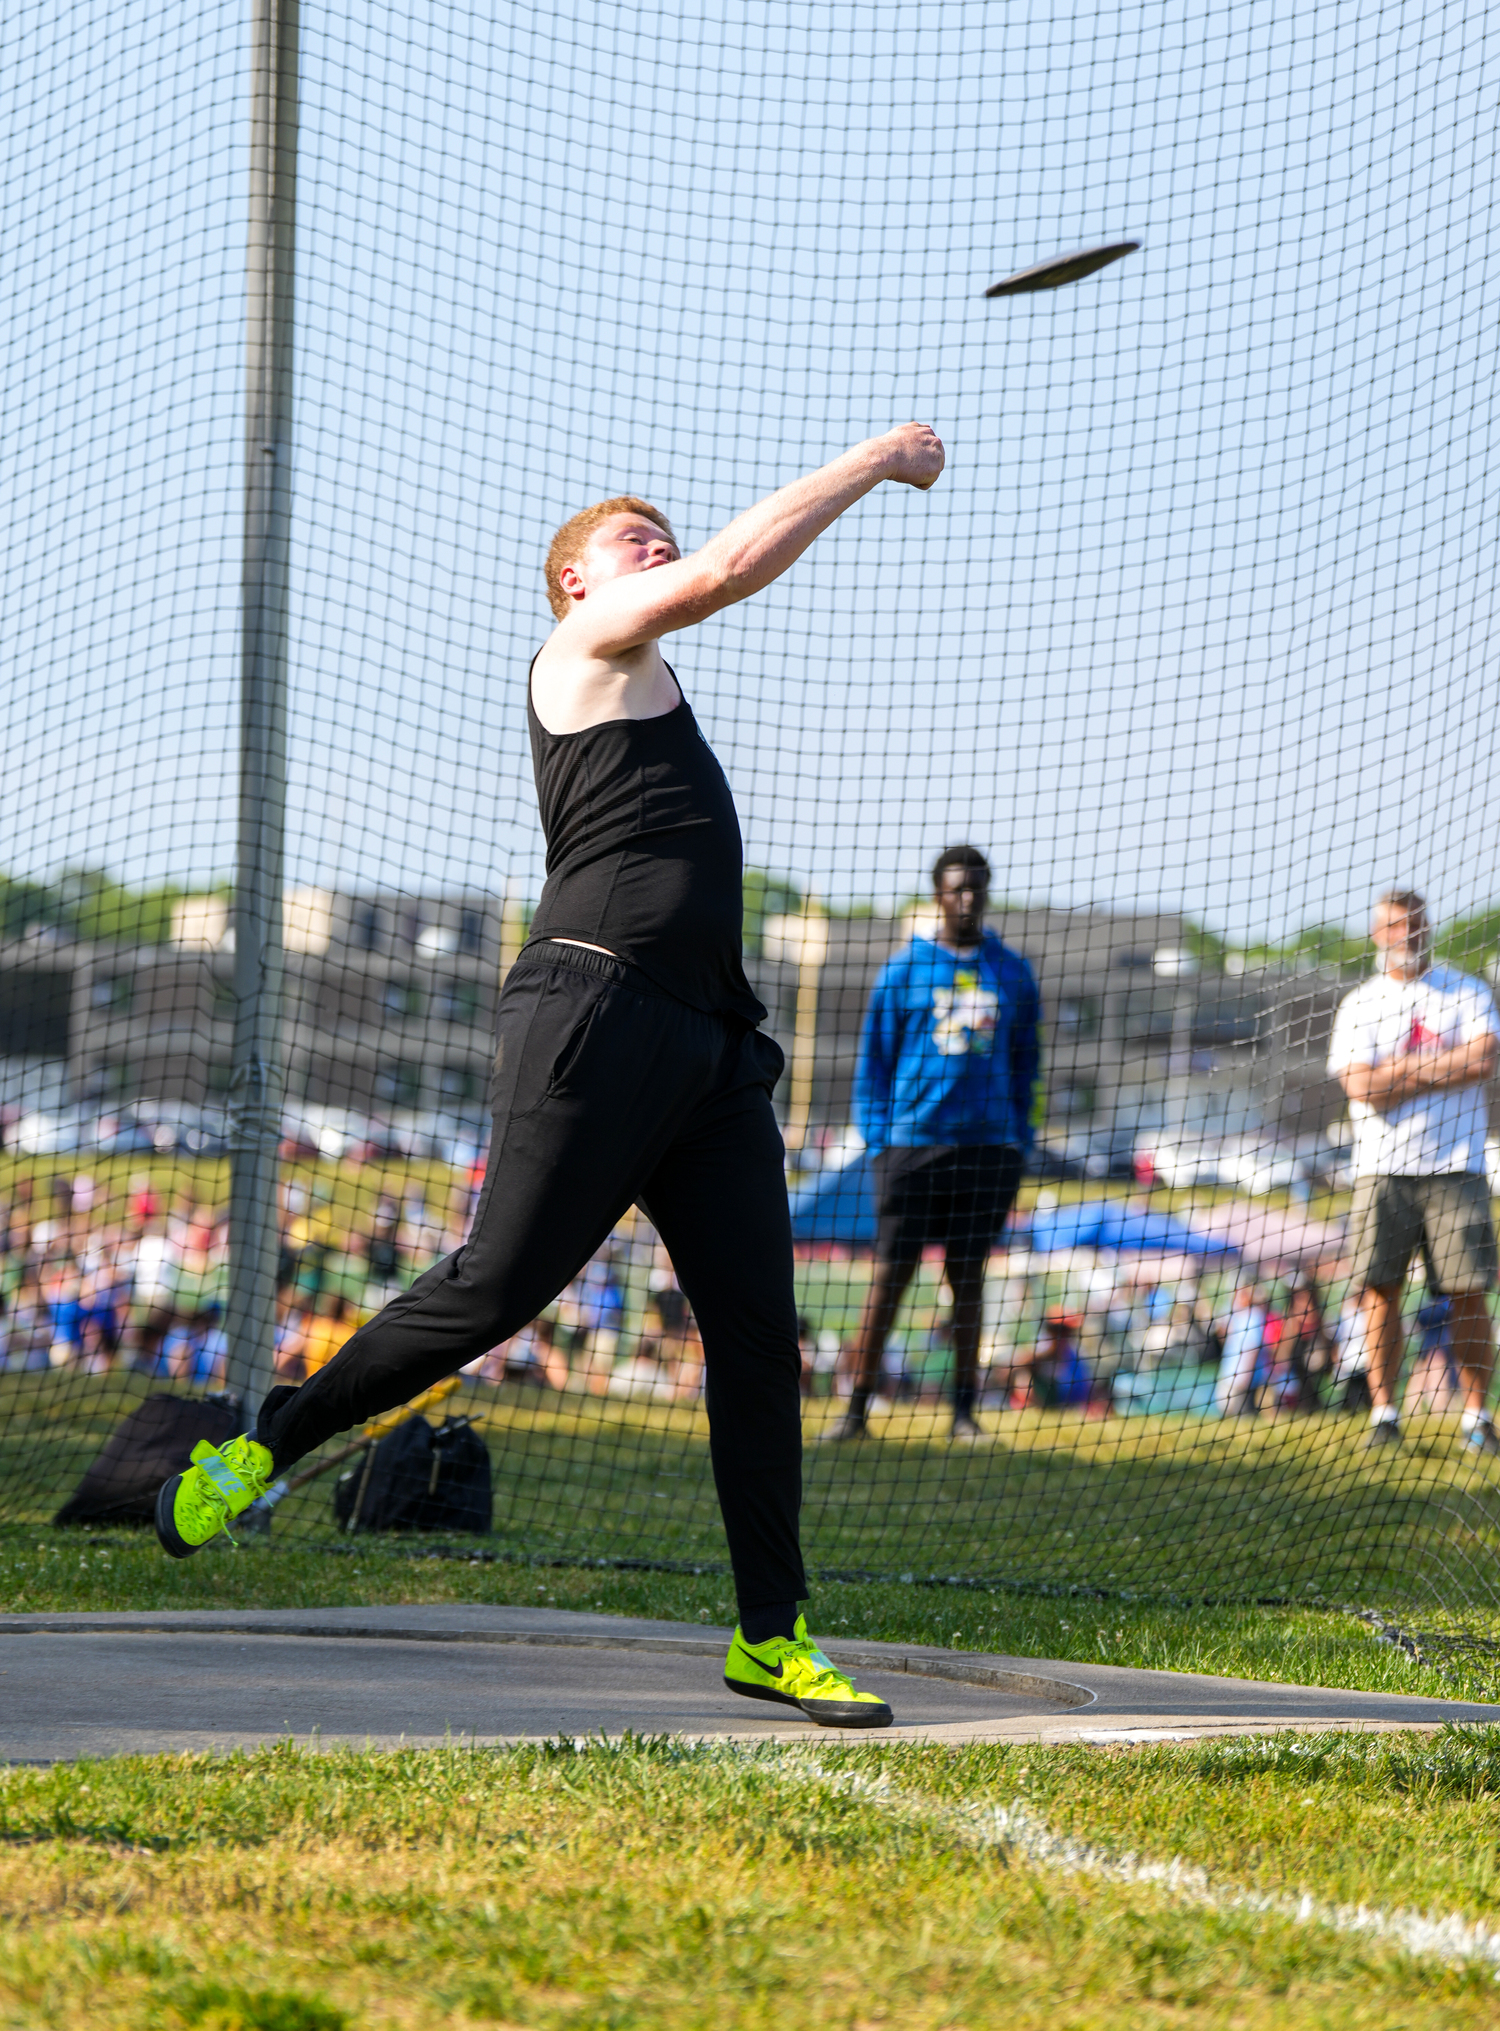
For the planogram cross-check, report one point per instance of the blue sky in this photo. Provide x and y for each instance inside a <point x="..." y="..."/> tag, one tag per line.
<point x="1200" y="615"/>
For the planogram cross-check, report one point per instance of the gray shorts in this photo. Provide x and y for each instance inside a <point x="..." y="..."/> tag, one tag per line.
<point x="1447" y="1217"/>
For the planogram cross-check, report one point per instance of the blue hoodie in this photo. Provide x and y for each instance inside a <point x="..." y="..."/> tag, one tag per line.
<point x="949" y="1053"/>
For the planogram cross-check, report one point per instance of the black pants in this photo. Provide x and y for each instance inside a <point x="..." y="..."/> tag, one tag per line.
<point x="608" y="1093"/>
<point x="959" y="1198"/>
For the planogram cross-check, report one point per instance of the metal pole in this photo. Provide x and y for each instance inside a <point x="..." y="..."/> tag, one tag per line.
<point x="512" y="929"/>
<point x="256" y="1085"/>
<point x="812" y="955"/>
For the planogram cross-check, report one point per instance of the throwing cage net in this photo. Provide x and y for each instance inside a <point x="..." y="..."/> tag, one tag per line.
<point x="1191" y="640"/>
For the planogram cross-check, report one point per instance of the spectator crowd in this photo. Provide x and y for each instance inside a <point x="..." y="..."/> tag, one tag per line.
<point x="1246" y="1347"/>
<point x="91" y="1284"/>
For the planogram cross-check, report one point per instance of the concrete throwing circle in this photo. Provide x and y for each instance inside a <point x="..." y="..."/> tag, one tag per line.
<point x="97" y="1683"/>
<point x="113" y="1693"/>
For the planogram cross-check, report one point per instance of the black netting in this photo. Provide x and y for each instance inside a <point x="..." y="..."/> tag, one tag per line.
<point x="1191" y="639"/>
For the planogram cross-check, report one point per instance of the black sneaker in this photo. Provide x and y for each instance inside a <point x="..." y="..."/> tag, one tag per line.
<point x="1386" y="1433"/>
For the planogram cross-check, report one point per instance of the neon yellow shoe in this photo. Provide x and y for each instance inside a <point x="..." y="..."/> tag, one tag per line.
<point x="223" y="1480"/>
<point x="797" y="1674"/>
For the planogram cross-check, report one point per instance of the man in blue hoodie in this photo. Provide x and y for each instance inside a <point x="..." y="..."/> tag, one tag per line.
<point x="943" y="1098"/>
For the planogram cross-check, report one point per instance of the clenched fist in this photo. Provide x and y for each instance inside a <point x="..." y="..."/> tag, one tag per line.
<point x="915" y="454"/>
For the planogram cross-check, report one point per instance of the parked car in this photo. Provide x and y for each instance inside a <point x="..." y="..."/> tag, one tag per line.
<point x="1177" y="1165"/>
<point x="1048" y="1158"/>
<point x="1254" y="1163"/>
<point x="45" y="1132"/>
<point x="1089" y="1153"/>
<point x="177" y="1125"/>
<point x="120" y="1136"/>
<point x="1259" y="1167"/>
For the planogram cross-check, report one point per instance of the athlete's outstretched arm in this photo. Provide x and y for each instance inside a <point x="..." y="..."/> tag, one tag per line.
<point x="753" y="550"/>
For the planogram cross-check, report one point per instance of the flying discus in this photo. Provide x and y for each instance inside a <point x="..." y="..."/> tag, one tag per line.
<point x="1061" y="268"/>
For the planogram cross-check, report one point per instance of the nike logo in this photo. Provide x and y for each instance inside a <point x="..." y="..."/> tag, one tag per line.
<point x="770" y="1670"/>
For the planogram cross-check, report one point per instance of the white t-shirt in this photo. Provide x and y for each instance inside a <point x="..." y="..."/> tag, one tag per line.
<point x="157" y="1261"/>
<point x="1384" y="1018"/>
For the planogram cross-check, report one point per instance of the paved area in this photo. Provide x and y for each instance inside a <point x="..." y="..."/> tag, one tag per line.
<point x="102" y="1684"/>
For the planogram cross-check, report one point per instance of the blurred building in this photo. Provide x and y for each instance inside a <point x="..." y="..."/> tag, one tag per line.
<point x="1104" y="998"/>
<point x="390" y="1007"/>
<point x="1135" y="1035"/>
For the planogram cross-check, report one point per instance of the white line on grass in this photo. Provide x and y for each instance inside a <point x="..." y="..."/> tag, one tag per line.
<point x="1018" y="1829"/>
<point x="1447" y="1938"/>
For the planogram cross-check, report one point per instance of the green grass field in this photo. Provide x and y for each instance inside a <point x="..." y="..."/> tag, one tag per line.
<point x="1167" y="1506"/>
<point x="354" y="1187"/>
<point x="656" y="1886"/>
<point x="350" y="1191"/>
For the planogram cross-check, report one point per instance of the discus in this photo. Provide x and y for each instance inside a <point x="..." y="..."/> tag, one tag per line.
<point x="1061" y="268"/>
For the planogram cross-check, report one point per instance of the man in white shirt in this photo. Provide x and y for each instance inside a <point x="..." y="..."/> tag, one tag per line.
<point x="1413" y="1047"/>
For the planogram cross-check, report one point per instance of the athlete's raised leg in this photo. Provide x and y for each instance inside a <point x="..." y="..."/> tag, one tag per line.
<point x="593" y="1078"/>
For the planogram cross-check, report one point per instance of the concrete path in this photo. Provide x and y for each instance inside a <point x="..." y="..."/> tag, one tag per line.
<point x="105" y="1684"/>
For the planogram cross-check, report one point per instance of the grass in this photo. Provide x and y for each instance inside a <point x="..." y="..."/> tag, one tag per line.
<point x="350" y="1191"/>
<point x="1165" y="1505"/>
<point x="656" y="1885"/>
<point x="652" y="1885"/>
<point x="1388" y="1821"/>
<point x="355" y="1187"/>
<point x="45" y="1571"/>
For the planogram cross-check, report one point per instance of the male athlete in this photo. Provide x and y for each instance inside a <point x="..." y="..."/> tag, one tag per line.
<point x="1414" y="1046"/>
<point x="943" y="1097"/>
<point x="630" y="1069"/>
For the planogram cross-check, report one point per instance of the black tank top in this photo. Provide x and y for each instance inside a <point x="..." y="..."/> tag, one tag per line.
<point x="644" y="853"/>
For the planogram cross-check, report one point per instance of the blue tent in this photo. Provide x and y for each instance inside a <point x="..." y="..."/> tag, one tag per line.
<point x="840" y="1207"/>
<point x="1107" y="1223"/>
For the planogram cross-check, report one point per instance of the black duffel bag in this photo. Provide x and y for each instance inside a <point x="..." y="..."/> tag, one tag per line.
<point x="143" y="1450"/>
<point x="418" y="1478"/>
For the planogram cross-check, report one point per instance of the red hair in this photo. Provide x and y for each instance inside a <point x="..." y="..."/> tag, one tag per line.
<point x="572" y="539"/>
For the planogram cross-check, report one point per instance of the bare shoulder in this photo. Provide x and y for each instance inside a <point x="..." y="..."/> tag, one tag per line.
<point x="575" y="685"/>
<point x="569" y="682"/>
